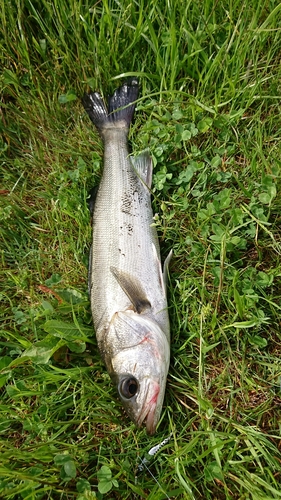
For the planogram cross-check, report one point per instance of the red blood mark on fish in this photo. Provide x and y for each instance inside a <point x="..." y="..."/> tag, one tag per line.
<point x="149" y="340"/>
<point x="155" y="395"/>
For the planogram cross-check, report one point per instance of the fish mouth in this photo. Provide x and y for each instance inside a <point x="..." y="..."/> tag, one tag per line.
<point x="149" y="414"/>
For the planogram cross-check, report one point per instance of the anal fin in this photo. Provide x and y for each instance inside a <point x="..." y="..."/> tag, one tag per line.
<point x="143" y="166"/>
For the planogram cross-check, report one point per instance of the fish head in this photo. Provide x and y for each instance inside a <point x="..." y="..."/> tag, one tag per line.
<point x="139" y="365"/>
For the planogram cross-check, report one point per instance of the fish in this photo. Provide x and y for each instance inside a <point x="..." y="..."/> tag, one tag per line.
<point x="127" y="285"/>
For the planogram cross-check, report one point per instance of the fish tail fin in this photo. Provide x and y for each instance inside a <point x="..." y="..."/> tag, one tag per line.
<point x="121" y="106"/>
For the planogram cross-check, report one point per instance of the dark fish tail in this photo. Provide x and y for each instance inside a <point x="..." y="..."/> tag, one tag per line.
<point x="121" y="106"/>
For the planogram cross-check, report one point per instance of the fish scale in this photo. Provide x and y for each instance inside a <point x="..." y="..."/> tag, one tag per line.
<point x="127" y="289"/>
<point x="130" y="251"/>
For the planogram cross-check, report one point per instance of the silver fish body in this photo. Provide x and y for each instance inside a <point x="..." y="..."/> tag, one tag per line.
<point x="126" y="283"/>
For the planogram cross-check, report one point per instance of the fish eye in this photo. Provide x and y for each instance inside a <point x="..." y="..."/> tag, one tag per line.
<point x="128" y="387"/>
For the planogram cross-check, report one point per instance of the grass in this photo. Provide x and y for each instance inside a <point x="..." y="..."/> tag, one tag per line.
<point x="209" y="110"/>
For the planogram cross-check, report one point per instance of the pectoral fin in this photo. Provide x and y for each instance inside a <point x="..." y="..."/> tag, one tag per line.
<point x="133" y="289"/>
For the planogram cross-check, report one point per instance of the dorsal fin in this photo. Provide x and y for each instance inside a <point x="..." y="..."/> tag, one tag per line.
<point x="91" y="200"/>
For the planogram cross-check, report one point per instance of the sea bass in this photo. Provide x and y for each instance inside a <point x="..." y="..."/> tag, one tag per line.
<point x="126" y="284"/>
